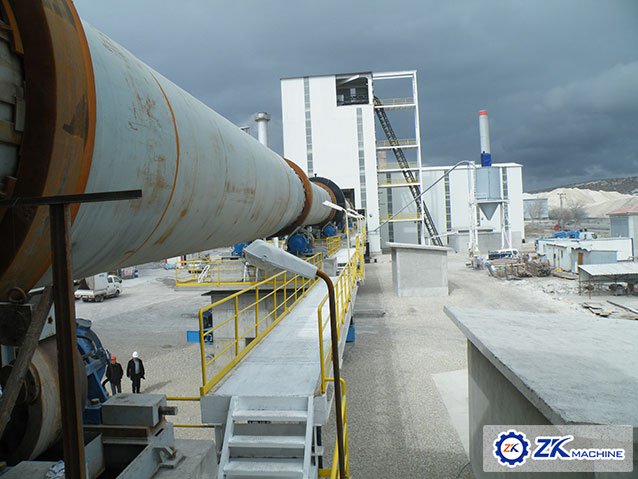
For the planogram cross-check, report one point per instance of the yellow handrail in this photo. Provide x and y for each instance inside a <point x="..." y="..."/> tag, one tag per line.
<point x="332" y="244"/>
<point x="283" y="291"/>
<point x="333" y="472"/>
<point x="214" y="272"/>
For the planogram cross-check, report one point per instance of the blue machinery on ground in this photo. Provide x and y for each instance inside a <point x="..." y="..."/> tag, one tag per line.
<point x="86" y="116"/>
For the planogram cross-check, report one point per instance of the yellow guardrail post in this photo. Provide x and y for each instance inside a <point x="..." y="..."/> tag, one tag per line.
<point x="257" y="311"/>
<point x="321" y="358"/>
<point x="274" y="297"/>
<point x="285" y="290"/>
<point x="201" y="345"/>
<point x="236" y="325"/>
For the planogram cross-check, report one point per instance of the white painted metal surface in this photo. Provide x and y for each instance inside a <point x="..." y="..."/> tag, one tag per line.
<point x="262" y="120"/>
<point x="460" y="191"/>
<point x="268" y="437"/>
<point x="484" y="131"/>
<point x="205" y="183"/>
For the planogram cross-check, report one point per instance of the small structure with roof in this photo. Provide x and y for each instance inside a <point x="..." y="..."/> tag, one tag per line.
<point x="568" y="254"/>
<point x="591" y="274"/>
<point x="624" y="222"/>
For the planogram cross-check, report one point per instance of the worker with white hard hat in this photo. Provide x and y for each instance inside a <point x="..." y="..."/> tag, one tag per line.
<point x="135" y="371"/>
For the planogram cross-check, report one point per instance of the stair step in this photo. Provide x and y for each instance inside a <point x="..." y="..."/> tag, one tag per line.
<point x="264" y="468"/>
<point x="270" y="415"/>
<point x="283" y="442"/>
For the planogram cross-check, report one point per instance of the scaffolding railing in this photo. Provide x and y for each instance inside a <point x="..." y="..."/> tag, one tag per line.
<point x="389" y="102"/>
<point x="397" y="142"/>
<point x="397" y="182"/>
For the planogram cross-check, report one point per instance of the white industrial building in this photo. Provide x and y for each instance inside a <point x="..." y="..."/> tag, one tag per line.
<point x="624" y="223"/>
<point x="344" y="127"/>
<point x="449" y="204"/>
<point x="568" y="254"/>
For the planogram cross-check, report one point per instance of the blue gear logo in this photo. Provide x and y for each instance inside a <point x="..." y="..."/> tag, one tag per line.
<point x="511" y="448"/>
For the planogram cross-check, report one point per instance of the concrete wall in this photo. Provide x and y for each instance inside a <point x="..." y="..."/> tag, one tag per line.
<point x="494" y="400"/>
<point x="419" y="270"/>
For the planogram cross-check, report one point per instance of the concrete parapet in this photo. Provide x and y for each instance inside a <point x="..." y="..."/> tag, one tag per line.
<point x="419" y="270"/>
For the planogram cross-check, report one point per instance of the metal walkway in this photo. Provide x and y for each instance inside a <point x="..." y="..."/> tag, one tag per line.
<point x="286" y="363"/>
<point x="268" y="411"/>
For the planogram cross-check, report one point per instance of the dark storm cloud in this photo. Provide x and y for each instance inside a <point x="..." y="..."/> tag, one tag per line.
<point x="559" y="78"/>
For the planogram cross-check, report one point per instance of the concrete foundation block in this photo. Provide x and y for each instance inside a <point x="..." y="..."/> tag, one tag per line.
<point x="419" y="270"/>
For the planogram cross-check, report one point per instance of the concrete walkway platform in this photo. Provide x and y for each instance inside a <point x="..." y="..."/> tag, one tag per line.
<point x="558" y="362"/>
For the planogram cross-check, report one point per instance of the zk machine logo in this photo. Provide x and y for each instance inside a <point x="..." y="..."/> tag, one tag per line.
<point x="511" y="448"/>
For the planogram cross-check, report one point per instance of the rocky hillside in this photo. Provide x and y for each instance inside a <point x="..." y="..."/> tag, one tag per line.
<point x="627" y="185"/>
<point x="596" y="204"/>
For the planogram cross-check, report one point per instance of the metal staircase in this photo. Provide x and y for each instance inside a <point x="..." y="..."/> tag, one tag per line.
<point x="410" y="178"/>
<point x="269" y="437"/>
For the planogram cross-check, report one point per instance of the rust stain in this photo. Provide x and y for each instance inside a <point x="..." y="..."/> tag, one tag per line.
<point x="163" y="180"/>
<point x="56" y="7"/>
<point x="79" y="124"/>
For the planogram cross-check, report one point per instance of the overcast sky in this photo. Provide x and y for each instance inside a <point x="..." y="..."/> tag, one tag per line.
<point x="559" y="77"/>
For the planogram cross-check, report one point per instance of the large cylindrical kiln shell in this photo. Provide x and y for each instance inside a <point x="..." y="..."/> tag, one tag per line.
<point x="319" y="214"/>
<point x="205" y="183"/>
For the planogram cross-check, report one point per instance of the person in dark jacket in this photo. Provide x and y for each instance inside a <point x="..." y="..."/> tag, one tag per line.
<point x="114" y="375"/>
<point x="135" y="371"/>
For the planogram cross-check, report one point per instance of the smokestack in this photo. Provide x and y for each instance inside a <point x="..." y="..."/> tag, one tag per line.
<point x="484" y="133"/>
<point x="262" y="120"/>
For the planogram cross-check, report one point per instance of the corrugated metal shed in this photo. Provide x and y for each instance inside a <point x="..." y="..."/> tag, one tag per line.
<point x="622" y="271"/>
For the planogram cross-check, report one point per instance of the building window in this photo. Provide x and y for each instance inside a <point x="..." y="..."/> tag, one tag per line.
<point x="448" y="204"/>
<point x="362" y="159"/>
<point x="352" y="90"/>
<point x="306" y="97"/>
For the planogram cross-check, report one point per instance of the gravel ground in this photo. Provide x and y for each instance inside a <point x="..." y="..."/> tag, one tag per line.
<point x="399" y="425"/>
<point x="151" y="317"/>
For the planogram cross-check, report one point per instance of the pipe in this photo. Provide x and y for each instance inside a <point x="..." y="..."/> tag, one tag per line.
<point x="336" y="373"/>
<point x="262" y="120"/>
<point x="484" y="131"/>
<point x="98" y="119"/>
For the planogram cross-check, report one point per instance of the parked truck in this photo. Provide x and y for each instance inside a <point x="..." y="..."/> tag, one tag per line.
<point x="98" y="287"/>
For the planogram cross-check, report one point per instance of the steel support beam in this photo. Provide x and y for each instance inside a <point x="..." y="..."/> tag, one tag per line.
<point x="68" y="367"/>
